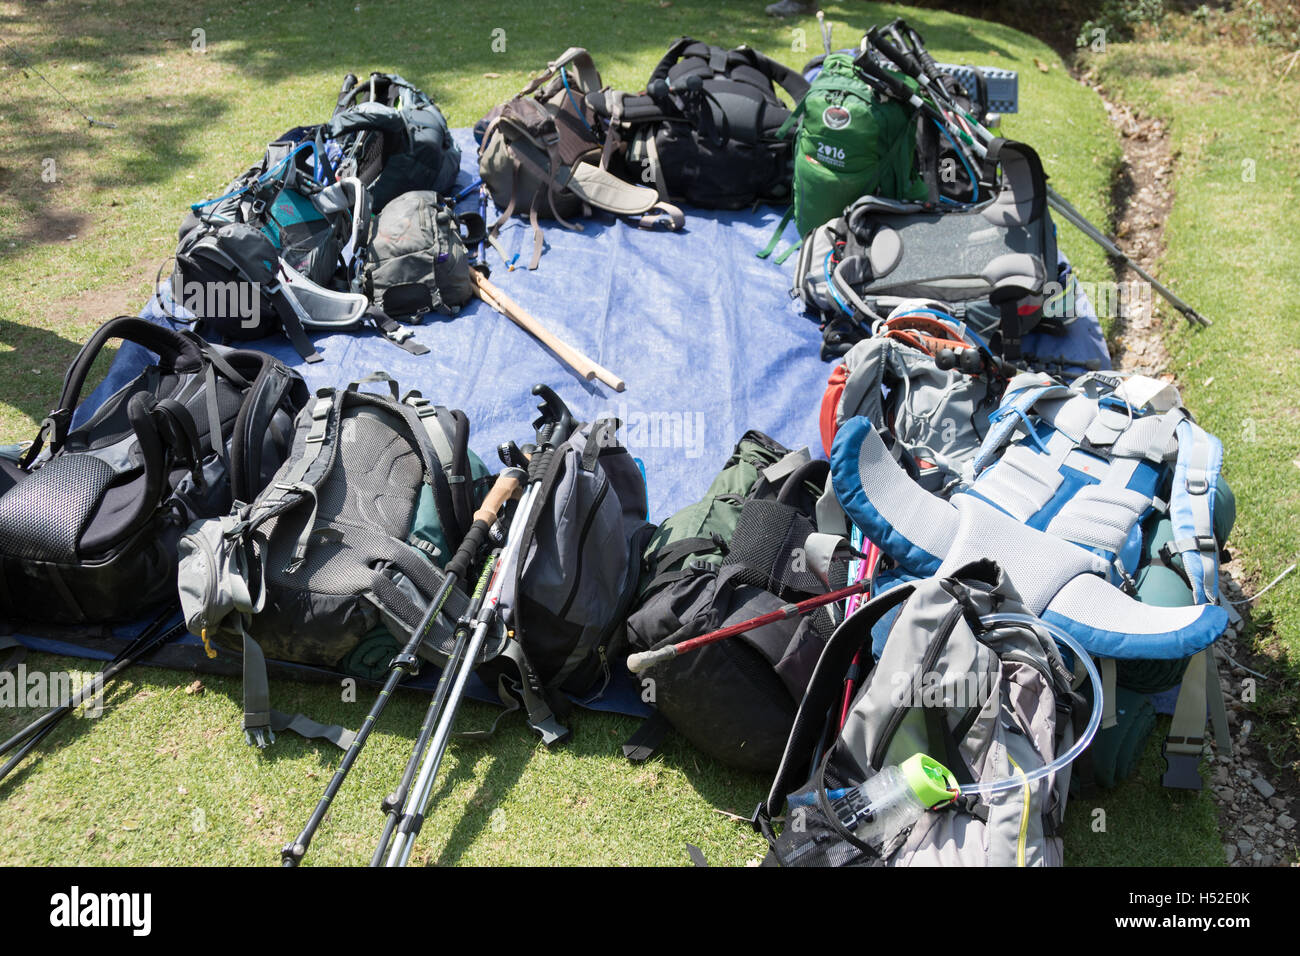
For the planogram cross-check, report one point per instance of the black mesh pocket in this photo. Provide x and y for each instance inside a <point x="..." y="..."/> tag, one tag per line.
<point x="768" y="542"/>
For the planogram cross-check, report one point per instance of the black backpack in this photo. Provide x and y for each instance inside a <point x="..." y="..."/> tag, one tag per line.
<point x="706" y="128"/>
<point x="334" y="563"/>
<point x="741" y="551"/>
<point x="91" y="516"/>
<point x="394" y="138"/>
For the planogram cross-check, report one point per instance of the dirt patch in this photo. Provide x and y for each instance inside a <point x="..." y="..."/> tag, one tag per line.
<point x="126" y="296"/>
<point x="1259" y="803"/>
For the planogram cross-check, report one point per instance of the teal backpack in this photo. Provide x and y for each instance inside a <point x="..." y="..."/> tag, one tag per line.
<point x="849" y="143"/>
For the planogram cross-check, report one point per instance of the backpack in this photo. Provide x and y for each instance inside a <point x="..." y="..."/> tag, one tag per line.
<point x="849" y="142"/>
<point x="418" y="258"/>
<point x="856" y="268"/>
<point x="544" y="152"/>
<point x="334" y="563"/>
<point x="987" y="701"/>
<point x="1069" y="487"/>
<point x="706" y="129"/>
<point x="91" y="515"/>
<point x="578" y="574"/>
<point x="936" y="414"/>
<point x="393" y="138"/>
<point x="283" y="249"/>
<point x="749" y="546"/>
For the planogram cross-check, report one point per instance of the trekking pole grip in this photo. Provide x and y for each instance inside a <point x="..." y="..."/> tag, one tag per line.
<point x="508" y="485"/>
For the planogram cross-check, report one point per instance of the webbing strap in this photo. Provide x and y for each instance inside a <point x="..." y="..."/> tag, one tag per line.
<point x="291" y="322"/>
<point x="304" y="726"/>
<point x="1109" y="669"/>
<point x="647" y="739"/>
<point x="537" y="712"/>
<point x="768" y="249"/>
<point x="432" y="422"/>
<point x="257" y="694"/>
<point x="787" y="465"/>
<point x="789" y="251"/>
<point x="656" y="167"/>
<point x="1218" y="709"/>
<point x="1187" y="728"/>
<point x="1191" y="508"/>
<point x="396" y="333"/>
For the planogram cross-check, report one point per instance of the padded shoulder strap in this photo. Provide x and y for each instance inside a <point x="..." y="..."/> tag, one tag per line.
<point x="1191" y="508"/>
<point x="175" y="351"/>
<point x="1023" y="393"/>
<point x="789" y="80"/>
<point x="603" y="190"/>
<point x="675" y="52"/>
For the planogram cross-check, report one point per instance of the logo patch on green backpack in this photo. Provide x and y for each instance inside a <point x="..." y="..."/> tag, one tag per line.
<point x="836" y="117"/>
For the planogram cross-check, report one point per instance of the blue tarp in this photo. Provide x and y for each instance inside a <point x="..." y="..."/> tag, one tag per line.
<point x="705" y="334"/>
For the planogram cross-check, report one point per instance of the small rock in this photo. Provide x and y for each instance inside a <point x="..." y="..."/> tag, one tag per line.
<point x="1277" y="803"/>
<point x="1224" y="794"/>
<point x="1250" y="830"/>
<point x="1230" y="851"/>
<point x="1265" y="788"/>
<point x="1246" y="847"/>
<point x="1286" y="822"/>
<point x="195" y="688"/>
<point x="1221" y="777"/>
<point x="1266" y="860"/>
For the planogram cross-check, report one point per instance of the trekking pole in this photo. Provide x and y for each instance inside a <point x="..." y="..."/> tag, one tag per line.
<point x="580" y="363"/>
<point x="553" y="428"/>
<point x="472" y="633"/>
<point x="636" y="663"/>
<point x="152" y="637"/>
<point x="395" y="802"/>
<point x="826" y="31"/>
<point x="407" y="661"/>
<point x="979" y="144"/>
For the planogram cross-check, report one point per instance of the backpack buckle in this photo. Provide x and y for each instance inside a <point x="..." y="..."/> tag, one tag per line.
<point x="1184" y="770"/>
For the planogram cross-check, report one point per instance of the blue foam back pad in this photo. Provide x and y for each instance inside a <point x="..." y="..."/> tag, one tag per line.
<point x="705" y="334"/>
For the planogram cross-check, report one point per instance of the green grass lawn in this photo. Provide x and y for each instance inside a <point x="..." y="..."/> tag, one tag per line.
<point x="164" y="775"/>
<point x="1233" y="241"/>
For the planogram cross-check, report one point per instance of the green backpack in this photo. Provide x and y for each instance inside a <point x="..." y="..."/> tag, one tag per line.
<point x="850" y="143"/>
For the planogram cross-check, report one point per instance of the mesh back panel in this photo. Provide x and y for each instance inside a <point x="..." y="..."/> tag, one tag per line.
<point x="366" y="506"/>
<point x="42" y="516"/>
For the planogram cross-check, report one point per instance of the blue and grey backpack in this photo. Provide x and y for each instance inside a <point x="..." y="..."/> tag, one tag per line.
<point x="1083" y="493"/>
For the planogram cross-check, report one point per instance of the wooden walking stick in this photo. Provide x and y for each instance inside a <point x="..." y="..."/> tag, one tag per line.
<point x="513" y="311"/>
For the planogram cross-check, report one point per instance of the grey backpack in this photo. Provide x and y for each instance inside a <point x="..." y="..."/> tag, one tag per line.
<point x="334" y="564"/>
<point x="936" y="416"/>
<point x="418" y="260"/>
<point x="581" y="562"/>
<point x="988" y="702"/>
<point x="991" y="263"/>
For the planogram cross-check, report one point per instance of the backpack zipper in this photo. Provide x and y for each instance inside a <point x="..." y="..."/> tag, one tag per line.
<point x="932" y="653"/>
<point x="582" y="540"/>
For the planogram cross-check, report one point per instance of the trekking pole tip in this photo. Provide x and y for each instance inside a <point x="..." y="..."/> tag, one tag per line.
<point x="636" y="663"/>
